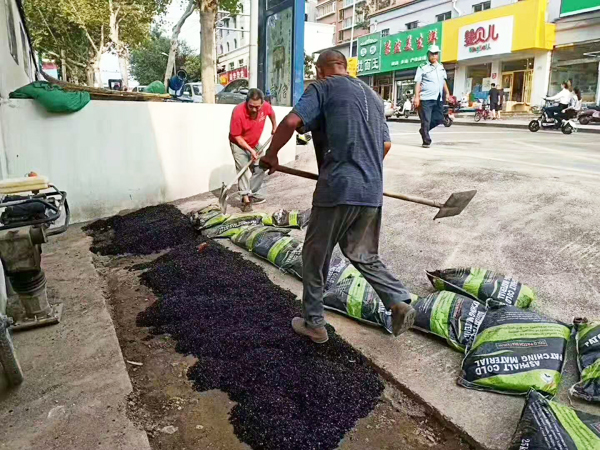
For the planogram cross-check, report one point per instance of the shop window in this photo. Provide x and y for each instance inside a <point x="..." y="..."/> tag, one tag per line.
<point x="578" y="63"/>
<point x="519" y="64"/>
<point x="412" y="25"/>
<point x="12" y="36"/>
<point x="385" y="32"/>
<point x="25" y="52"/>
<point x="482" y="6"/>
<point x="476" y="75"/>
<point x="444" y="16"/>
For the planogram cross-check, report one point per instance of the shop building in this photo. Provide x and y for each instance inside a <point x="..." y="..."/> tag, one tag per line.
<point x="576" y="55"/>
<point x="509" y="46"/>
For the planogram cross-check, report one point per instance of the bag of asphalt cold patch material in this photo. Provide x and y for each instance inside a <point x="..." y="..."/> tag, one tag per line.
<point x="258" y="234"/>
<point x="450" y="316"/>
<point x="548" y="425"/>
<point x="482" y="285"/>
<point x="233" y="225"/>
<point x="514" y="351"/>
<point x="292" y="219"/>
<point x="208" y="217"/>
<point x="588" y="360"/>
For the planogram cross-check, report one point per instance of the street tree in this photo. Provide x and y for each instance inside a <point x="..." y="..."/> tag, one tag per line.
<point x="189" y="9"/>
<point x="208" y="19"/>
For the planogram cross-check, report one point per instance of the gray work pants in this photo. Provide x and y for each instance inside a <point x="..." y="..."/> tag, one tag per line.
<point x="250" y="183"/>
<point x="356" y="229"/>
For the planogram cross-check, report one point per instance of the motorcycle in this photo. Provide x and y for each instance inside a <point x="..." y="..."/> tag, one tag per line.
<point x="450" y="110"/>
<point x="566" y="125"/>
<point x="589" y="115"/>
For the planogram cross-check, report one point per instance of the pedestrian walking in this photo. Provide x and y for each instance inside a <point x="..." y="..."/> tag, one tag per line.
<point x="495" y="101"/>
<point x="431" y="90"/>
<point x="347" y="200"/>
<point x="246" y="128"/>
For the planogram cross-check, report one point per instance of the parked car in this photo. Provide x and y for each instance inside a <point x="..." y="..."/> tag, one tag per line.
<point x="234" y="93"/>
<point x="193" y="92"/>
<point x="139" y="89"/>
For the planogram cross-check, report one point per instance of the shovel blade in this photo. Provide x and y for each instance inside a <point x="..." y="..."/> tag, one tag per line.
<point x="455" y="204"/>
<point x="223" y="199"/>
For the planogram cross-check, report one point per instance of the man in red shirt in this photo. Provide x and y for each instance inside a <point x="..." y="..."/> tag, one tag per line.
<point x="247" y="125"/>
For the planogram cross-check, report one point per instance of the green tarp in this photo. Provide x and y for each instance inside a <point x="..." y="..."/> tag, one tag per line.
<point x="53" y="97"/>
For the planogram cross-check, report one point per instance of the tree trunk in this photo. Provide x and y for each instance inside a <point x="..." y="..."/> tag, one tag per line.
<point x="63" y="65"/>
<point x="208" y="17"/>
<point x="89" y="73"/>
<point x="175" y="37"/>
<point x="124" y="68"/>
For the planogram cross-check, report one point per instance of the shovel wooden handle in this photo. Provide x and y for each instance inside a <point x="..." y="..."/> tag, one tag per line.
<point x="408" y="198"/>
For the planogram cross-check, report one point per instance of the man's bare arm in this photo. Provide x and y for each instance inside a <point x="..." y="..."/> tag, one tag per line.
<point x="386" y="148"/>
<point x="241" y="142"/>
<point x="417" y="95"/>
<point x="284" y="132"/>
<point x="273" y="122"/>
<point x="447" y="91"/>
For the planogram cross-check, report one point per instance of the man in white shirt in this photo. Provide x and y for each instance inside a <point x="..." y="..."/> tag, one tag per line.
<point x="563" y="98"/>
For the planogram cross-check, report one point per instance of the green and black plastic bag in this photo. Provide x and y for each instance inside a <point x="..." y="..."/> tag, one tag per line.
<point x="548" y="425"/>
<point x="482" y="284"/>
<point x="514" y="351"/>
<point x="265" y="237"/>
<point x="208" y="217"/>
<point x="588" y="360"/>
<point x="292" y="219"/>
<point x="450" y="316"/>
<point x="233" y="225"/>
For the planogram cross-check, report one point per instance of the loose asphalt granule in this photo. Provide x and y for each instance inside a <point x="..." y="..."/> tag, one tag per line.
<point x="149" y="230"/>
<point x="224" y="310"/>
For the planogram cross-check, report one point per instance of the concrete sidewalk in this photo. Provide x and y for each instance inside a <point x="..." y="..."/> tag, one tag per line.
<point x="74" y="396"/>
<point x="503" y="123"/>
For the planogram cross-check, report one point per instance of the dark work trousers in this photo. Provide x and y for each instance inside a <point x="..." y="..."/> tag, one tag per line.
<point x="431" y="113"/>
<point x="555" y="110"/>
<point x="356" y="229"/>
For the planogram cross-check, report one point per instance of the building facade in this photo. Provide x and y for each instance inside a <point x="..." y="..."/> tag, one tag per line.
<point x="233" y="45"/>
<point x="576" y="54"/>
<point x="349" y="19"/>
<point x="505" y="42"/>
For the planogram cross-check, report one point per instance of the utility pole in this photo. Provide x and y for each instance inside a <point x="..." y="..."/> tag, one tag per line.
<point x="253" y="63"/>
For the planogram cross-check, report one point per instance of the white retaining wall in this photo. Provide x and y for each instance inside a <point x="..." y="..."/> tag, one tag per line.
<point x="113" y="155"/>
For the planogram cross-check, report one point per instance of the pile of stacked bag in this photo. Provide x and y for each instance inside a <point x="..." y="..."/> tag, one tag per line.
<point x="485" y="315"/>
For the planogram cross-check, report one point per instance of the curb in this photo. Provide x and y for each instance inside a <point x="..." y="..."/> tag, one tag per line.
<point x="497" y="125"/>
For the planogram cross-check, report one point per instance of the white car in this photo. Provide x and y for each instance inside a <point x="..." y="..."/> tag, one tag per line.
<point x="140" y="89"/>
<point x="193" y="91"/>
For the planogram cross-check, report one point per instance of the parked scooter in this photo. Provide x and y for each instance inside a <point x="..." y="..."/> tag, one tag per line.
<point x="589" y="115"/>
<point x="567" y="126"/>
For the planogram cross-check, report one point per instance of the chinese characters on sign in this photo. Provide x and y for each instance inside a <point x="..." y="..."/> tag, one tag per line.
<point x="408" y="50"/>
<point x="369" y="54"/>
<point x="492" y="37"/>
<point x="232" y="75"/>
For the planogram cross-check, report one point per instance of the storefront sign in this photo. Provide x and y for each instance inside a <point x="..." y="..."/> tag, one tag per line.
<point x="492" y="37"/>
<point x="352" y="66"/>
<point x="409" y="49"/>
<point x="369" y="54"/>
<point x="232" y="75"/>
<point x="570" y="7"/>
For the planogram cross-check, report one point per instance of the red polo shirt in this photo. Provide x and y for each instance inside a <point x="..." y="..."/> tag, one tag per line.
<point x="242" y="125"/>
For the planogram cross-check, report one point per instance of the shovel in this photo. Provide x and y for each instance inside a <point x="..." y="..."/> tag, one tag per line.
<point x="455" y="204"/>
<point x="224" y="194"/>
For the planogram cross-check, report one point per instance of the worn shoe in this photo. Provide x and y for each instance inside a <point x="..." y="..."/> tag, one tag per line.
<point x="403" y="317"/>
<point x="426" y="145"/>
<point x="317" y="335"/>
<point x="246" y="207"/>
<point x="258" y="200"/>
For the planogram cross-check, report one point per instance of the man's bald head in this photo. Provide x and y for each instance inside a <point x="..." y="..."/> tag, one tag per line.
<point x="331" y="62"/>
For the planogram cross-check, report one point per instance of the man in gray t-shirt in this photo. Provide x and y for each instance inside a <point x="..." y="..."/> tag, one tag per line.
<point x="353" y="139"/>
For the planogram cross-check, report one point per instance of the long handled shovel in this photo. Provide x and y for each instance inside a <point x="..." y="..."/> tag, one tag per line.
<point x="455" y="204"/>
<point x="225" y="189"/>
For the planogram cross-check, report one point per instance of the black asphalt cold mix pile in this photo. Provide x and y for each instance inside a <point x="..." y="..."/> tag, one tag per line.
<point x="149" y="230"/>
<point x="224" y="310"/>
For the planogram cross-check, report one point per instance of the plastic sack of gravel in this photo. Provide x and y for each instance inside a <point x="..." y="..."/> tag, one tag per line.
<point x="208" y="217"/>
<point x="233" y="225"/>
<point x="588" y="360"/>
<point x="250" y="236"/>
<point x="548" y="425"/>
<point x="482" y="285"/>
<point x="292" y="219"/>
<point x="450" y="316"/>
<point x="515" y="350"/>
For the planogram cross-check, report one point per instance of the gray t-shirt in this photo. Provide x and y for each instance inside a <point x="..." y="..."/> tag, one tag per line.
<point x="350" y="114"/>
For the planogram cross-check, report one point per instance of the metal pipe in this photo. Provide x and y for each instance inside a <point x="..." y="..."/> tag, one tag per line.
<point x="253" y="63"/>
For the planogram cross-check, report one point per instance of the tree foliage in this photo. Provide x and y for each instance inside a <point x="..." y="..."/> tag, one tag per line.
<point x="149" y="61"/>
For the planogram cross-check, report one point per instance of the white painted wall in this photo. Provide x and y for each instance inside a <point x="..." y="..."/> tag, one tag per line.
<point x="112" y="156"/>
<point x="425" y="12"/>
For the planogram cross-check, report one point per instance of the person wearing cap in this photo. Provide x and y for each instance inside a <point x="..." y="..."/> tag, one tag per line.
<point x="430" y="91"/>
